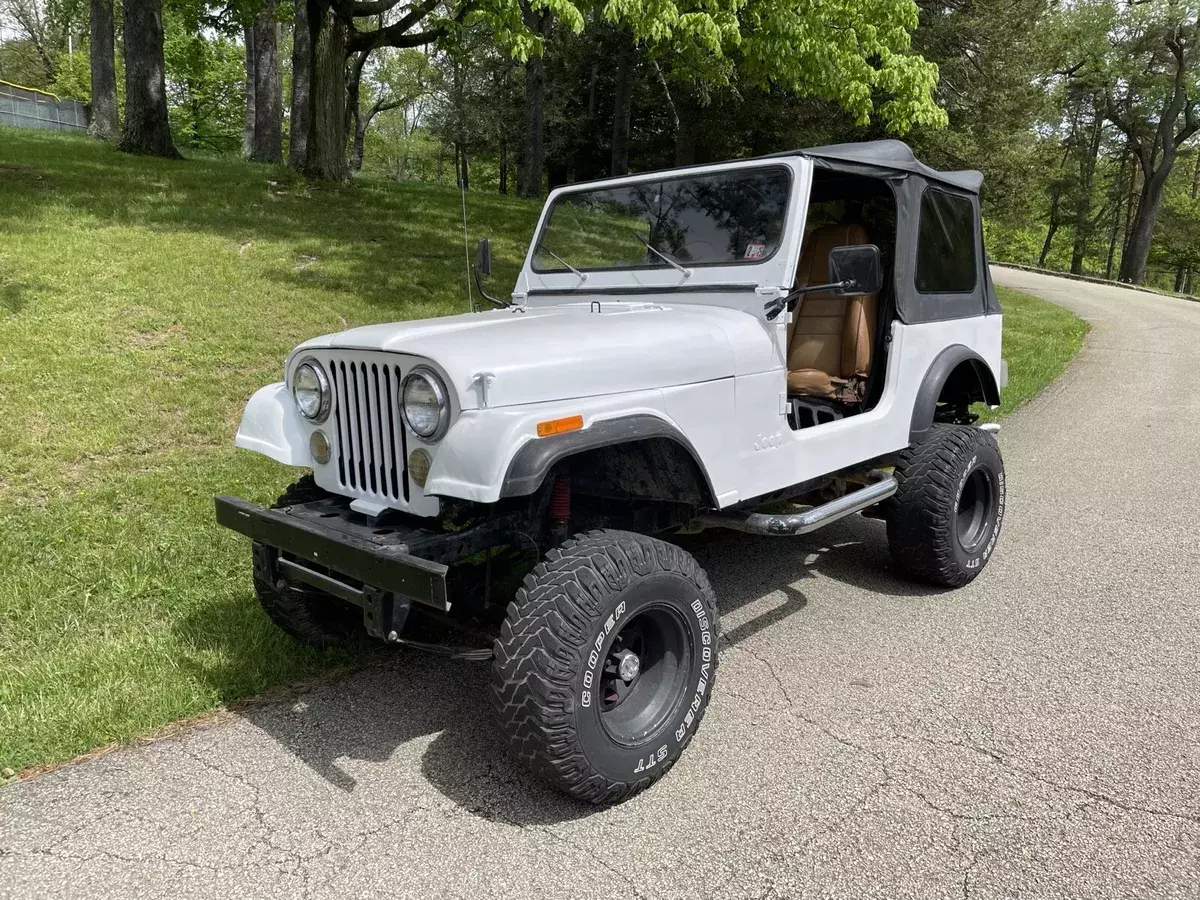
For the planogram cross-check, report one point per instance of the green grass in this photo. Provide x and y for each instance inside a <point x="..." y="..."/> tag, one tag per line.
<point x="1039" y="340"/>
<point x="141" y="302"/>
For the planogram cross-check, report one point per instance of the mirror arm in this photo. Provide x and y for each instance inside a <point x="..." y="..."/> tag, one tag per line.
<point x="776" y="306"/>
<point x="495" y="301"/>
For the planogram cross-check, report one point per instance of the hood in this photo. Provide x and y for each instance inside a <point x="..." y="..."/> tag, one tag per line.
<point x="572" y="350"/>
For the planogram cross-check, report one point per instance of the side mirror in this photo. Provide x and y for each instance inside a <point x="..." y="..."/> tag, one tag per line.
<point x="484" y="251"/>
<point x="856" y="268"/>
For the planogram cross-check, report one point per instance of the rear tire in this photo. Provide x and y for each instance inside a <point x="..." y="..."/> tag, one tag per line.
<point x="311" y="616"/>
<point x="559" y="678"/>
<point x="945" y="518"/>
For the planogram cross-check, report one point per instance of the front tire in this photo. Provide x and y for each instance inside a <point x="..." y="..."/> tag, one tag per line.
<point x="605" y="663"/>
<point x="311" y="616"/>
<point x="945" y="518"/>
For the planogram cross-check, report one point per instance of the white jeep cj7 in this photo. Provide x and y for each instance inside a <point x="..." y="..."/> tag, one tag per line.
<point x="765" y="345"/>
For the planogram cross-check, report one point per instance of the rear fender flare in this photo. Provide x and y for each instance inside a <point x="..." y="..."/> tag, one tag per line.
<point x="939" y="372"/>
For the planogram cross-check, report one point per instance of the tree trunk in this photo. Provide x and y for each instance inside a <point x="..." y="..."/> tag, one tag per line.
<point x="327" y="130"/>
<point x="147" y="129"/>
<point x="267" y="144"/>
<point x="360" y="140"/>
<point x="1189" y="272"/>
<point x="529" y="181"/>
<point x="1133" y="263"/>
<point x="355" y="120"/>
<point x="503" y="167"/>
<point x="251" y="84"/>
<point x="103" y="123"/>
<point x="1054" y="204"/>
<point x="1083" y="199"/>
<point x="465" y="174"/>
<point x="622" y="103"/>
<point x="1117" y="202"/>
<point x="302" y="63"/>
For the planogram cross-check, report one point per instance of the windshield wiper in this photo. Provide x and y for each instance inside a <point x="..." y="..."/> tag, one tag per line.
<point x="687" y="273"/>
<point x="582" y="276"/>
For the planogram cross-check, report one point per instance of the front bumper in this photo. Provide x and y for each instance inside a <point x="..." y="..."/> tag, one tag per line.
<point x="355" y="560"/>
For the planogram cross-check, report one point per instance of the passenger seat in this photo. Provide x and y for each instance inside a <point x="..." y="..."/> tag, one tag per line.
<point x="831" y="338"/>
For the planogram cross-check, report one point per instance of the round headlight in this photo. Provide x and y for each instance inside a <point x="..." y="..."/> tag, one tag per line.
<point x="424" y="404"/>
<point x="310" y="388"/>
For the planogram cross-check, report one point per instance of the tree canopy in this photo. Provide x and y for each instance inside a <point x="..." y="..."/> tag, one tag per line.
<point x="1084" y="117"/>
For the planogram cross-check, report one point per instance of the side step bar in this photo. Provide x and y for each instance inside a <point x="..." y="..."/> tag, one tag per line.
<point x="808" y="520"/>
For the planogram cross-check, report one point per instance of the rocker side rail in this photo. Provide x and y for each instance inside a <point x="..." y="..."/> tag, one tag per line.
<point x="881" y="487"/>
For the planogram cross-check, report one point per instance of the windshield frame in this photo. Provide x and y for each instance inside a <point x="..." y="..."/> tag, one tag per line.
<point x="746" y="166"/>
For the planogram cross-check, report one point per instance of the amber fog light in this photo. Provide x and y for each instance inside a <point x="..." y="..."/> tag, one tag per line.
<point x="418" y="466"/>
<point x="318" y="446"/>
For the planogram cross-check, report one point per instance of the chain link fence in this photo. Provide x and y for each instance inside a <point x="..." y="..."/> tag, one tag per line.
<point x="27" y="108"/>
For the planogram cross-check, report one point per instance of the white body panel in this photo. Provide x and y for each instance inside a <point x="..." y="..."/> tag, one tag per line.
<point x="706" y="361"/>
<point x="272" y="426"/>
<point x="572" y="349"/>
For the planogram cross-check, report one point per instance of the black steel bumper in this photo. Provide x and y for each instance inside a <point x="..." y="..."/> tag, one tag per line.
<point x="377" y="559"/>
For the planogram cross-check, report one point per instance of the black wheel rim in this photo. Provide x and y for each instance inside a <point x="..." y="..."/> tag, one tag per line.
<point x="974" y="508"/>
<point x="631" y="709"/>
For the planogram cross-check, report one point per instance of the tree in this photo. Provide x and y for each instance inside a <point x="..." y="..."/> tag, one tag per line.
<point x="36" y="43"/>
<point x="397" y="80"/>
<point x="1150" y="66"/>
<point x="1178" y="235"/>
<point x="205" y="72"/>
<point x="264" y="88"/>
<point x="101" y="52"/>
<point x="320" y="111"/>
<point x="147" y="128"/>
<point x="854" y="53"/>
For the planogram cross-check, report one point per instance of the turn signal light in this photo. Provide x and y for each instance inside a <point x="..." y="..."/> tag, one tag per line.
<point x="559" y="426"/>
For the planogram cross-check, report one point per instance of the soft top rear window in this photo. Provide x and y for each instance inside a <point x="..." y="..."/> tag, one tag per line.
<point x="945" y="244"/>
<point x="714" y="219"/>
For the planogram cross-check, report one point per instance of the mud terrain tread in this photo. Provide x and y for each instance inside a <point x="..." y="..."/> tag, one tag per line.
<point x="540" y="651"/>
<point x="920" y="533"/>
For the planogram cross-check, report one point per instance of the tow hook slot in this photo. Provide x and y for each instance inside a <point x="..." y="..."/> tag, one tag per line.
<point x="384" y="613"/>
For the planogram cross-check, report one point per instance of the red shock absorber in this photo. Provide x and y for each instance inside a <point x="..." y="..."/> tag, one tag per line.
<point x="560" y="506"/>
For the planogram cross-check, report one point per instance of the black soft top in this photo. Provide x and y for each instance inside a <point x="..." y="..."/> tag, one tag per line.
<point x="892" y="156"/>
<point x="910" y="181"/>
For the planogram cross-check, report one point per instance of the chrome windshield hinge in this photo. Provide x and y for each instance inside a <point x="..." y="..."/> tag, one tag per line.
<point x="484" y="380"/>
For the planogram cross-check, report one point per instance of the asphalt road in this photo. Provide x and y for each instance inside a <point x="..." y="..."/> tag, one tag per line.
<point x="1036" y="734"/>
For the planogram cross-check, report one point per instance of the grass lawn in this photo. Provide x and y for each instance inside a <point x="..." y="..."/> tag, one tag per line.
<point x="1039" y="340"/>
<point x="141" y="302"/>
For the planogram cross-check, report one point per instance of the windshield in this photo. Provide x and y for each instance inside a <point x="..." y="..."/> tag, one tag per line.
<point x="720" y="219"/>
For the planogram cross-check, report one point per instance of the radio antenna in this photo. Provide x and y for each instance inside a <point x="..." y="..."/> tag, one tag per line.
<point x="462" y="187"/>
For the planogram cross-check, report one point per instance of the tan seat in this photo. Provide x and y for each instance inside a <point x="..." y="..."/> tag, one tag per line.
<point x="831" y="338"/>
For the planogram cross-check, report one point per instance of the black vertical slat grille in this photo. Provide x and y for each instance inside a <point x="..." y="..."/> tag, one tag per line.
<point x="369" y="435"/>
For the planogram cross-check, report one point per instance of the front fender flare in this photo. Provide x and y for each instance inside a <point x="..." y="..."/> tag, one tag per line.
<point x="271" y="426"/>
<point x="935" y="379"/>
<point x="529" y="466"/>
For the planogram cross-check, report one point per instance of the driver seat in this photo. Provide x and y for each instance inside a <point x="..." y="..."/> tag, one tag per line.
<point x="831" y="338"/>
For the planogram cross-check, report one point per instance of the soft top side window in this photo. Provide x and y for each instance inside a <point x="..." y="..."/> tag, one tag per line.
<point x="946" y="244"/>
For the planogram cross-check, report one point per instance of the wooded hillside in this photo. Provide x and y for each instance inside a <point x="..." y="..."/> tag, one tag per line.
<point x="1083" y="116"/>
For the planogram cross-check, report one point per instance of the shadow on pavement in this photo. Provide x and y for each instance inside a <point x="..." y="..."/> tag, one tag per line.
<point x="370" y="714"/>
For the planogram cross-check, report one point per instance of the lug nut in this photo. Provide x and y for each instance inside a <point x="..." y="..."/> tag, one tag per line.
<point x="628" y="665"/>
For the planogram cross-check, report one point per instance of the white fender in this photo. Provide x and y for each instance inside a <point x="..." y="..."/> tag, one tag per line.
<point x="472" y="459"/>
<point x="272" y="426"/>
